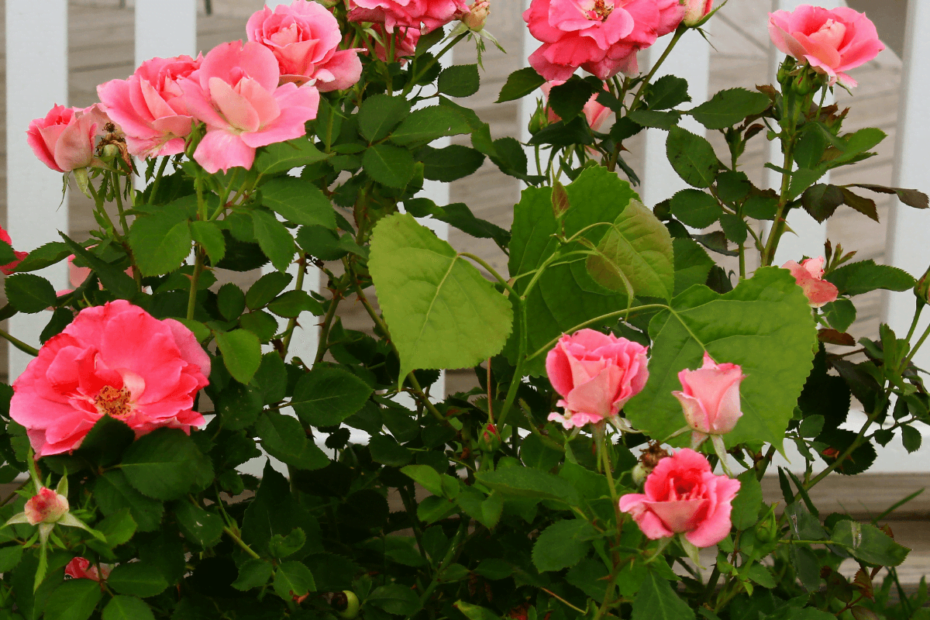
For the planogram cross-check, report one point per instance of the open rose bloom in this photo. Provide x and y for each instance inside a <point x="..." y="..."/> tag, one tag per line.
<point x="64" y="140"/>
<point x="683" y="496"/>
<point x="114" y="360"/>
<point x="831" y="41"/>
<point x="596" y="374"/>
<point x="424" y="15"/>
<point x="809" y="276"/>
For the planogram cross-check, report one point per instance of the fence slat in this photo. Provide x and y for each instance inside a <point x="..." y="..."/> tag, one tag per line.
<point x="36" y="77"/>
<point x="906" y="242"/>
<point x="165" y="28"/>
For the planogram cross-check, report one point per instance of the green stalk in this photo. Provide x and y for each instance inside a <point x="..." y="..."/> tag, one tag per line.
<point x="298" y="286"/>
<point x="682" y="29"/>
<point x="195" y="278"/>
<point x="19" y="344"/>
<point x="159" y="174"/>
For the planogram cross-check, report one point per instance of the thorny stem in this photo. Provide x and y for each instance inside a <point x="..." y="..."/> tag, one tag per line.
<point x="232" y="534"/>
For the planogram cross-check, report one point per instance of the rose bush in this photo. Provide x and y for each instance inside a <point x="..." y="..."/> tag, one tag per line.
<point x="207" y="462"/>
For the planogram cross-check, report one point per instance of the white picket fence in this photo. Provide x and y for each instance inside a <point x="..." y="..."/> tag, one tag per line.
<point x="37" y="75"/>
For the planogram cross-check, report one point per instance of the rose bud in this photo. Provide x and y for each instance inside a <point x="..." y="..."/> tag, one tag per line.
<point x="710" y="398"/>
<point x="477" y="15"/>
<point x="696" y="11"/>
<point x="809" y="276"/>
<point x="46" y="507"/>
<point x="489" y="440"/>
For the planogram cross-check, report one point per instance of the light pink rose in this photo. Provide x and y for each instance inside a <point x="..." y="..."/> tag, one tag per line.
<point x="236" y="94"/>
<point x="149" y="106"/>
<point x="696" y="11"/>
<point x="423" y="15"/>
<point x="9" y="267"/>
<point x="683" y="496"/>
<point x="710" y="398"/>
<point x="596" y="374"/>
<point x="81" y="568"/>
<point x="305" y="39"/>
<point x="477" y="15"/>
<point x="600" y="36"/>
<point x="64" y="140"/>
<point x="46" y="507"/>
<point x="115" y="360"/>
<point x="595" y="113"/>
<point x="405" y="43"/>
<point x="809" y="276"/>
<point x="831" y="41"/>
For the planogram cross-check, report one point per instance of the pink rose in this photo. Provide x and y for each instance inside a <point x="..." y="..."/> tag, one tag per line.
<point x="423" y="15"/>
<point x="809" y="276"/>
<point x="594" y="112"/>
<point x="596" y="374"/>
<point x="405" y="43"/>
<point x="831" y="41"/>
<point x="710" y="398"/>
<point x="236" y="94"/>
<point x="9" y="267"/>
<point x="600" y="36"/>
<point x="696" y="11"/>
<point x="149" y="106"/>
<point x="80" y="568"/>
<point x="46" y="507"/>
<point x="683" y="496"/>
<point x="305" y="39"/>
<point x="114" y="360"/>
<point x="64" y="139"/>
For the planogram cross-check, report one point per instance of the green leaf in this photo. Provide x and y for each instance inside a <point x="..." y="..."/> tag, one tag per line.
<point x="868" y="543"/>
<point x="113" y="493"/>
<point x="659" y="120"/>
<point x="696" y="208"/>
<point x="274" y="239"/>
<point x="449" y="164"/>
<point x="239" y="405"/>
<point x="113" y="278"/>
<point x="428" y="124"/>
<point x="729" y="107"/>
<point x="459" y="81"/>
<point x="395" y="599"/>
<point x="30" y="293"/>
<point x="298" y="201"/>
<point x="426" y="477"/>
<point x="747" y="502"/>
<point x="198" y="525"/>
<point x="327" y="395"/>
<point x="764" y="324"/>
<point x="389" y="165"/>
<point x="692" y="157"/>
<point x="759" y="574"/>
<point x="253" y="574"/>
<point x="386" y="450"/>
<point x="292" y="303"/>
<point x="118" y="528"/>
<point x="10" y="557"/>
<point x="230" y="301"/>
<point x="266" y="288"/>
<point x="160" y="241"/>
<point x="911" y="438"/>
<point x="283" y="156"/>
<point x="325" y="244"/>
<point x="283" y="438"/>
<point x="73" y="600"/>
<point x="166" y="464"/>
<point x="242" y="353"/>
<point x="563" y="544"/>
<point x="439" y="309"/>
<point x="379" y="114"/>
<point x="657" y="601"/>
<point x="127" y="608"/>
<point x="44" y="256"/>
<point x="460" y="216"/>
<point x="474" y="612"/>
<point x="635" y="255"/>
<point x="209" y="235"/>
<point x="568" y="100"/>
<point x="841" y="314"/>
<point x="526" y="482"/>
<point x="667" y="92"/>
<point x="137" y="579"/>
<point x="520" y="84"/>
<point x="865" y="276"/>
<point x="692" y="264"/>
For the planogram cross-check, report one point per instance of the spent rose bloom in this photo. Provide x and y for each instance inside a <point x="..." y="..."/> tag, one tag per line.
<point x="596" y="374"/>
<point x="709" y="397"/>
<point x="114" y="360"/>
<point x="832" y="41"/>
<point x="9" y="267"/>
<point x="683" y="496"/>
<point x="809" y="276"/>
<point x="595" y="113"/>
<point x="424" y="15"/>
<point x="46" y="506"/>
<point x="236" y="94"/>
<point x="305" y="38"/>
<point x="600" y="36"/>
<point x="64" y="139"/>
<point x="696" y="11"/>
<point x="405" y="45"/>
<point x="81" y="568"/>
<point x="149" y="106"/>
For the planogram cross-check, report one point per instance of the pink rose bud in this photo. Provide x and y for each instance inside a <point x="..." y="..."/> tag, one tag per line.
<point x="9" y="267"/>
<point x="477" y="15"/>
<point x="46" y="507"/>
<point x="683" y="496"/>
<point x="81" y="568"/>
<point x="809" y="276"/>
<point x="596" y="374"/>
<point x="64" y="139"/>
<point x="490" y="439"/>
<point x="594" y="112"/>
<point x="423" y="15"/>
<point x="696" y="11"/>
<point x="710" y="398"/>
<point x="831" y="41"/>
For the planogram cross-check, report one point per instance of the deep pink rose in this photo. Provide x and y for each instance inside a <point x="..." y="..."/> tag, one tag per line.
<point x="46" y="507"/>
<point x="64" y="140"/>
<point x="149" y="106"/>
<point x="236" y="94"/>
<point x="832" y="41"/>
<point x="81" y="568"/>
<point x="596" y="374"/>
<point x="423" y="15"/>
<point x="405" y="43"/>
<point x="305" y="38"/>
<point x="115" y="360"/>
<point x="594" y="112"/>
<point x="9" y="267"/>
<point x="696" y="11"/>
<point x="600" y="36"/>
<point x="709" y="397"/>
<point x="683" y="496"/>
<point x="809" y="276"/>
